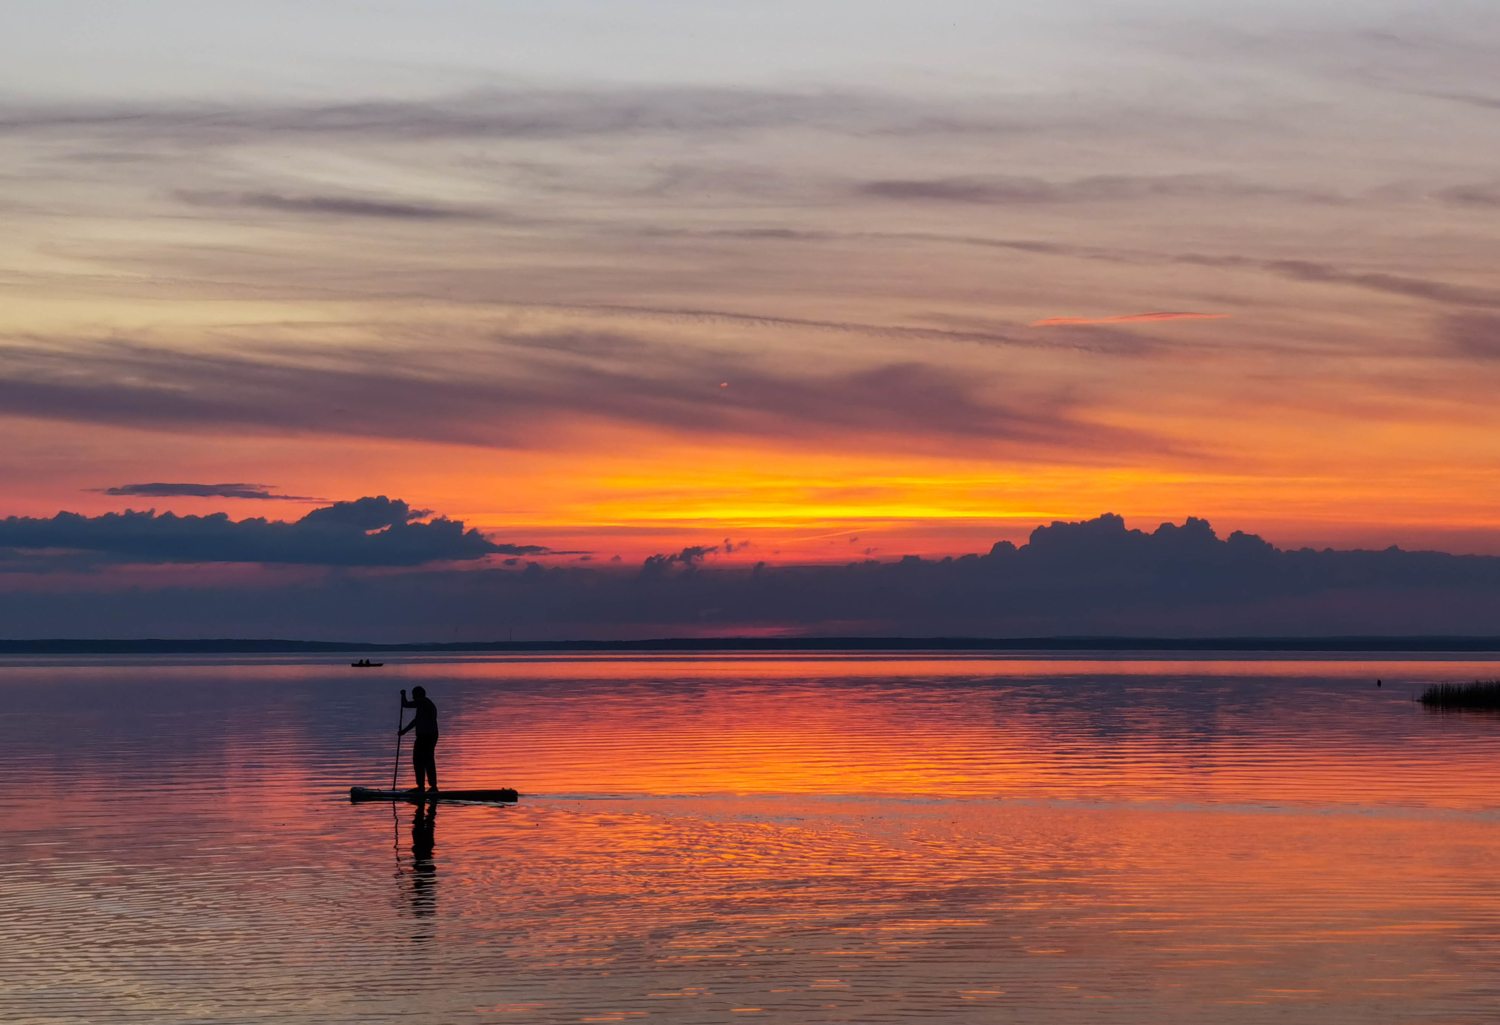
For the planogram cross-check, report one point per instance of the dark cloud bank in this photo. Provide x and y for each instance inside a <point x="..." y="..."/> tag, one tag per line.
<point x="368" y="532"/>
<point x="1090" y="578"/>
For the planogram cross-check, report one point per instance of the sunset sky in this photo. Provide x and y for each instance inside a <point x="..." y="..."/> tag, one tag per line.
<point x="833" y="279"/>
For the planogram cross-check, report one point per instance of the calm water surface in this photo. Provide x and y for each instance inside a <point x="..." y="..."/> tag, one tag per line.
<point x="791" y="840"/>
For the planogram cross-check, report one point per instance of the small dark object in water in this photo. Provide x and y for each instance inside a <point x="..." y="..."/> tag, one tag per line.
<point x="1479" y="694"/>
<point x="365" y="663"/>
<point x="1377" y="683"/>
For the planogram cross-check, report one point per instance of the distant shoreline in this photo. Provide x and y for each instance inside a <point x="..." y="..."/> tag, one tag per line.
<point x="251" y="646"/>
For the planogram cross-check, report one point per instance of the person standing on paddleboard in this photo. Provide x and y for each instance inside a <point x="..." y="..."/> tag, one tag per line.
<point x="424" y="747"/>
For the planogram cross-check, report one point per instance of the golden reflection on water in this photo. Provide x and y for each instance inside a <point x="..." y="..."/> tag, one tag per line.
<point x="799" y="840"/>
<point x="995" y="728"/>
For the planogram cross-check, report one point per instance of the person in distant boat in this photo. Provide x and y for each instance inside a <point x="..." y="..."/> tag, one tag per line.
<point x="424" y="746"/>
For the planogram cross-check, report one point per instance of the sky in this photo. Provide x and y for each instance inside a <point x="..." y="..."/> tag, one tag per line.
<point x="794" y="284"/>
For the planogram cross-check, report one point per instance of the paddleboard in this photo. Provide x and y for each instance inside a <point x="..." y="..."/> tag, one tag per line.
<point x="505" y="794"/>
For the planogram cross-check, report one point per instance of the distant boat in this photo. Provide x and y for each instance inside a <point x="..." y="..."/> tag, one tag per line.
<point x="505" y="795"/>
<point x="365" y="663"/>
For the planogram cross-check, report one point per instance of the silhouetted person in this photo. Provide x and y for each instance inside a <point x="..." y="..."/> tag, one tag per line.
<point x="424" y="747"/>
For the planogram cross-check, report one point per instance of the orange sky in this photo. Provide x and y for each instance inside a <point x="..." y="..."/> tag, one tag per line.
<point x="625" y="334"/>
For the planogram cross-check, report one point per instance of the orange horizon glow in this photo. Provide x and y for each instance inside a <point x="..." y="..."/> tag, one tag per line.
<point x="658" y="493"/>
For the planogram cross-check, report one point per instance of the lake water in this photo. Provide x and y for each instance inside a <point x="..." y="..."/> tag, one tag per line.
<point x="790" y="840"/>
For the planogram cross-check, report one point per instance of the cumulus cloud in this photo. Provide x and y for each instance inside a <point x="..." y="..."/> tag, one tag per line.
<point x="659" y="565"/>
<point x="160" y="490"/>
<point x="371" y="531"/>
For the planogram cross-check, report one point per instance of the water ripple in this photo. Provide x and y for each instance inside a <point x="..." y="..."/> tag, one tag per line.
<point x="786" y="840"/>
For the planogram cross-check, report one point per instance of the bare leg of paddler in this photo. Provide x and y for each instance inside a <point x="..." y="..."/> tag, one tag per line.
<point x="424" y="757"/>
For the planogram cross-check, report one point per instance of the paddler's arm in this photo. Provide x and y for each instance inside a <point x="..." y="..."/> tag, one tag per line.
<point x="406" y="704"/>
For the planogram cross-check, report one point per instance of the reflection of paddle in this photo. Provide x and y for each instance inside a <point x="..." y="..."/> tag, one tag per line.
<point x="400" y="714"/>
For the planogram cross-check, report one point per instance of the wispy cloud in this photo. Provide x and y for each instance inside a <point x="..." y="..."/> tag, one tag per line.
<point x="1099" y="188"/>
<point x="1471" y="99"/>
<point x="251" y="491"/>
<point x="1475" y="335"/>
<point x="334" y="206"/>
<point x="1395" y="284"/>
<point x="1127" y="318"/>
<point x="520" y="389"/>
<point x="520" y="114"/>
<point x="1486" y="194"/>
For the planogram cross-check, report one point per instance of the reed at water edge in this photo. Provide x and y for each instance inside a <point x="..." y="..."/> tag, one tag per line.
<point x="1479" y="694"/>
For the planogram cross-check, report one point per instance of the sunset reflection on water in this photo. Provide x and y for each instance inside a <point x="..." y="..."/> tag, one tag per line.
<point x="794" y="840"/>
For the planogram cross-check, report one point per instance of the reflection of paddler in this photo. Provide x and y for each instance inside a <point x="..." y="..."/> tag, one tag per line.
<point x="424" y="871"/>
<point x="424" y="746"/>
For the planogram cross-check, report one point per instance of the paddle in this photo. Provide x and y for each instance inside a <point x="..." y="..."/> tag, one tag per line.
<point x="400" y="715"/>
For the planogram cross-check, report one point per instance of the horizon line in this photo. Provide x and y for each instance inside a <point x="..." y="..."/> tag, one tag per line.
<point x="1267" y="643"/>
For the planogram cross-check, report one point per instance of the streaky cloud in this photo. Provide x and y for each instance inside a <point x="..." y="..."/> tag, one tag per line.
<point x="1446" y="293"/>
<point x="161" y="490"/>
<point x="1470" y="100"/>
<point x="1486" y="194"/>
<point x="1474" y="335"/>
<point x="1098" y="188"/>
<point x="1395" y="284"/>
<point x="539" y="113"/>
<point x="511" y="394"/>
<point x="1127" y="318"/>
<point x="995" y="336"/>
<point x="871" y="329"/>
<point x="331" y="206"/>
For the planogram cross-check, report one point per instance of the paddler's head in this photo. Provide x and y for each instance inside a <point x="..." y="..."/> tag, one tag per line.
<point x="419" y="692"/>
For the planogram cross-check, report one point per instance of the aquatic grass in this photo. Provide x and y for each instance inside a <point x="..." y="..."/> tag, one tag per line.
<point x="1479" y="694"/>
